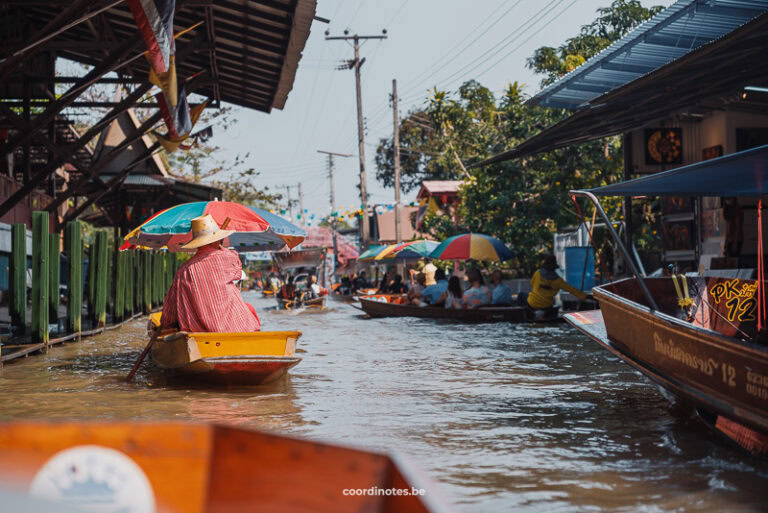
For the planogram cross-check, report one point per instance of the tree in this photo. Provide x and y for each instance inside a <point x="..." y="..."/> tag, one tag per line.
<point x="522" y="201"/>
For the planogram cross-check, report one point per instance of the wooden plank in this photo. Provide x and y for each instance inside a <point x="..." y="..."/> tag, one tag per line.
<point x="18" y="278"/>
<point x="120" y="286"/>
<point x="147" y="281"/>
<point x="40" y="287"/>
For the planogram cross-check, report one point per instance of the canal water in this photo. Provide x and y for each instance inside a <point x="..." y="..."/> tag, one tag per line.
<point x="503" y="417"/>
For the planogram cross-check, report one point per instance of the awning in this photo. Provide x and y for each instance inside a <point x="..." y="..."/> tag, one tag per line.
<point x="301" y="258"/>
<point x="712" y="77"/>
<point x="739" y="174"/>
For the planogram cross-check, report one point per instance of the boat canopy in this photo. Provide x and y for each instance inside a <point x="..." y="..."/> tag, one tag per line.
<point x="738" y="174"/>
<point x="302" y="258"/>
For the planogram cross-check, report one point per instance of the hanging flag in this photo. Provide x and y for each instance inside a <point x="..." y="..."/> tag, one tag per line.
<point x="154" y="18"/>
<point x="180" y="120"/>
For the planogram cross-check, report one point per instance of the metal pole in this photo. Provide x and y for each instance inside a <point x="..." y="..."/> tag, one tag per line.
<point x="396" y="144"/>
<point x="620" y="244"/>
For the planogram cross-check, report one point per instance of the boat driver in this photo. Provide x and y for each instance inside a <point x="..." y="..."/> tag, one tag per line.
<point x="545" y="284"/>
<point x="203" y="296"/>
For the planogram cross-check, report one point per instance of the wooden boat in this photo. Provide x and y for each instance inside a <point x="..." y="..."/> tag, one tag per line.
<point x="175" y="467"/>
<point x="385" y="305"/>
<point x="706" y="356"/>
<point x="268" y="293"/>
<point x="226" y="358"/>
<point x="317" y="303"/>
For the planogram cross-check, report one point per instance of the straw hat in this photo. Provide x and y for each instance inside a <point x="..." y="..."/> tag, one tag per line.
<point x="204" y="231"/>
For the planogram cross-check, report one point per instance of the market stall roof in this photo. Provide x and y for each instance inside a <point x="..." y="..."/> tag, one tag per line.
<point x="300" y="258"/>
<point x="249" y="48"/>
<point x="713" y="77"/>
<point x="739" y="174"/>
<point x="674" y="32"/>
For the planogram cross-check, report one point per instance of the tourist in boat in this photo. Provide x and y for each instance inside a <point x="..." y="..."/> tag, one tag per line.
<point x="500" y="293"/>
<point x="274" y="282"/>
<point x="545" y="284"/>
<point x="360" y="282"/>
<point x="314" y="288"/>
<point x="397" y="286"/>
<point x="385" y="283"/>
<point x="419" y="284"/>
<point x="477" y="294"/>
<point x="432" y="294"/>
<point x="452" y="298"/>
<point x="288" y="291"/>
<point x="203" y="296"/>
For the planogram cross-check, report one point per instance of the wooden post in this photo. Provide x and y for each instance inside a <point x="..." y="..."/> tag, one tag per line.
<point x="110" y="277"/>
<point x="169" y="271"/>
<point x="18" y="278"/>
<point x="92" y="259"/>
<point x="147" y="265"/>
<point x="129" y="279"/>
<point x="74" y="249"/>
<point x="40" y="286"/>
<point x="54" y="272"/>
<point x="159" y="278"/>
<point x="138" y="292"/>
<point x="119" y="286"/>
<point x="102" y="277"/>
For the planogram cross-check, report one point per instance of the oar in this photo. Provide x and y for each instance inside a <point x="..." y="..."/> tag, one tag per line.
<point x="143" y="354"/>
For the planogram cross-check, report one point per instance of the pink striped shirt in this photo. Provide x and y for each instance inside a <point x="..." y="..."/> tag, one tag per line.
<point x="204" y="297"/>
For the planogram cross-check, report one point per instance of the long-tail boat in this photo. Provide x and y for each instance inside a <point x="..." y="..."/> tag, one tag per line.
<point x="175" y="467"/>
<point x="225" y="358"/>
<point x="702" y="339"/>
<point x="386" y="305"/>
<point x="307" y="259"/>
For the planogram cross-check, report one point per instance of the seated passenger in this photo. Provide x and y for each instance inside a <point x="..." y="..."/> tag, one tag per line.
<point x="500" y="293"/>
<point x="452" y="297"/>
<point x="546" y="283"/>
<point x="477" y="294"/>
<point x="203" y="296"/>
<point x="314" y="288"/>
<point x="397" y="286"/>
<point x="384" y="284"/>
<point x="288" y="291"/>
<point x="414" y="295"/>
<point x="432" y="293"/>
<point x="361" y="282"/>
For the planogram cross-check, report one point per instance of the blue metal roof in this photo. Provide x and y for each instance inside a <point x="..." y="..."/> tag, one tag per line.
<point x="682" y="27"/>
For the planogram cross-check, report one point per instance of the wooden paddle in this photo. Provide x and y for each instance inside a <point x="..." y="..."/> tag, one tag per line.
<point x="156" y="334"/>
<point x="143" y="355"/>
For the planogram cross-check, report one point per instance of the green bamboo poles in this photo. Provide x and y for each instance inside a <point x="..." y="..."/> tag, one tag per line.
<point x="18" y="278"/>
<point x="40" y="281"/>
<point x="73" y="246"/>
<point x="118" y="283"/>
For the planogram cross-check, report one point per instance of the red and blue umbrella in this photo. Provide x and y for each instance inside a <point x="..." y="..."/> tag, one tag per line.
<point x="472" y="246"/>
<point x="412" y="250"/>
<point x="255" y="229"/>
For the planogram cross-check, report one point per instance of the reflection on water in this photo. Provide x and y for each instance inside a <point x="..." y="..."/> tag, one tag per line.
<point x="533" y="418"/>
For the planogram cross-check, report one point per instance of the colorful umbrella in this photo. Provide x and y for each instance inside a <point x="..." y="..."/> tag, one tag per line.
<point x="411" y="250"/>
<point x="472" y="246"/>
<point x="370" y="253"/>
<point x="254" y="231"/>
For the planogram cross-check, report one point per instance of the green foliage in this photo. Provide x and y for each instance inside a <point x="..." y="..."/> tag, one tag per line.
<point x="522" y="201"/>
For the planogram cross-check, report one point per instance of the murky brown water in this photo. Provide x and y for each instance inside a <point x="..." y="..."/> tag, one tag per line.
<point x="523" y="418"/>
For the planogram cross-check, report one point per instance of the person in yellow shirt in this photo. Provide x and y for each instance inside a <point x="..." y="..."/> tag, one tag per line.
<point x="546" y="283"/>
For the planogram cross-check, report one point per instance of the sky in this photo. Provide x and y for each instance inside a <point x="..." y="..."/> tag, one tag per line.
<point x="429" y="43"/>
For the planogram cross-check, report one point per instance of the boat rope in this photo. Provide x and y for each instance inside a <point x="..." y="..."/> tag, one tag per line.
<point x="716" y="312"/>
<point x="683" y="299"/>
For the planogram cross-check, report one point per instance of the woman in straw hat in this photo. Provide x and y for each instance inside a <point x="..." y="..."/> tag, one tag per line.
<point x="203" y="296"/>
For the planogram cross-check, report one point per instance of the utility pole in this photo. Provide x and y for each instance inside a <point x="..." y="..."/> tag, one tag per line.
<point x="331" y="154"/>
<point x="301" y="206"/>
<point x="396" y="144"/>
<point x="355" y="64"/>
<point x="290" y="203"/>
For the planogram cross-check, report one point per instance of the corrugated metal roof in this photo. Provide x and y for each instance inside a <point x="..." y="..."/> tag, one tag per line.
<point x="674" y="32"/>
<point x="144" y="180"/>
